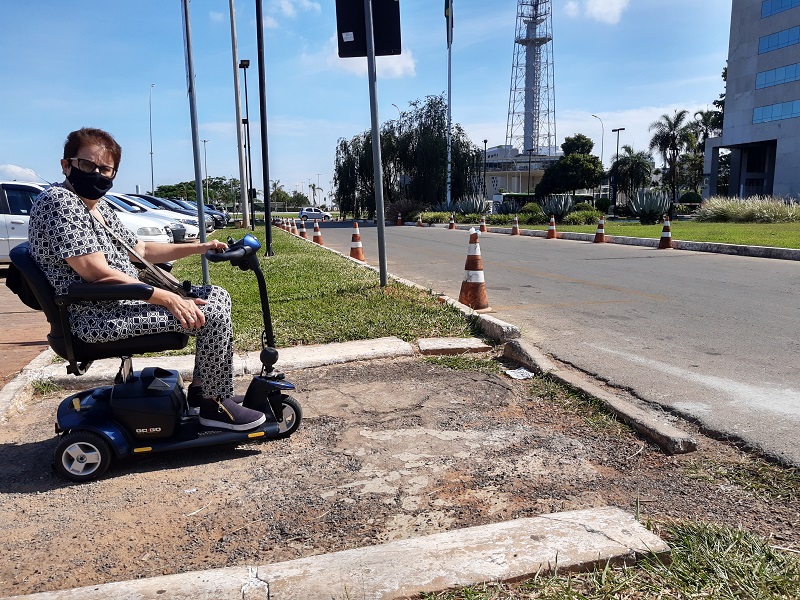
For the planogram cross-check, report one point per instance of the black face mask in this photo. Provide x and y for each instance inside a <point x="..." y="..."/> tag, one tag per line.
<point x="91" y="186"/>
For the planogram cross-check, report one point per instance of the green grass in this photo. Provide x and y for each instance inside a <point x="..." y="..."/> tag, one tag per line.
<point x="780" y="235"/>
<point x="707" y="561"/>
<point x="468" y="363"/>
<point x="318" y="297"/>
<point x="759" y="478"/>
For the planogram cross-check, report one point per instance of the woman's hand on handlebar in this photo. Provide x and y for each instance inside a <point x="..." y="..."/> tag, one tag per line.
<point x="213" y="245"/>
<point x="186" y="310"/>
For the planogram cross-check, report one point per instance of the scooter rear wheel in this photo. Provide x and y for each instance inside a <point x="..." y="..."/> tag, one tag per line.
<point x="81" y="456"/>
<point x="289" y="415"/>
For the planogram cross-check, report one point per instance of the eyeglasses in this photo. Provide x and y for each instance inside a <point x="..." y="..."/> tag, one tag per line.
<point x="87" y="166"/>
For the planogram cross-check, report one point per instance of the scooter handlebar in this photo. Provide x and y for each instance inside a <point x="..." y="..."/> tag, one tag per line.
<point x="233" y="254"/>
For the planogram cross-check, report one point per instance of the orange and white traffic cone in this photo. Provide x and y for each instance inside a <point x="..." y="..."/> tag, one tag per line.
<point x="303" y="233"/>
<point x="293" y="229"/>
<point x="515" y="226"/>
<point x="419" y="221"/>
<point x="317" y="238"/>
<point x="473" y="288"/>
<point x="551" y="229"/>
<point x="666" y="235"/>
<point x="356" y="249"/>
<point x="284" y="224"/>
<point x="483" y="224"/>
<point x="600" y="234"/>
<point x="452" y="224"/>
<point x="399" y="219"/>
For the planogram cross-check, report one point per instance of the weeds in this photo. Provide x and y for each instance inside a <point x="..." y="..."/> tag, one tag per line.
<point x="467" y="363"/>
<point x="43" y="387"/>
<point x="760" y="479"/>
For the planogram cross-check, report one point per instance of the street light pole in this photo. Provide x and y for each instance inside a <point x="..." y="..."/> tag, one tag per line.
<point x="152" y="179"/>
<point x="205" y="161"/>
<point x="530" y="153"/>
<point x="243" y="65"/>
<point x="484" y="168"/>
<point x="602" y="143"/>
<point x="616" y="159"/>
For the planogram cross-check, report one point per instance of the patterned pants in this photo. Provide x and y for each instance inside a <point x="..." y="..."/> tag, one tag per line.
<point x="213" y="363"/>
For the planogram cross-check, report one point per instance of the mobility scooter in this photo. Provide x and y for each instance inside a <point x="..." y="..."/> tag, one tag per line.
<point x="147" y="411"/>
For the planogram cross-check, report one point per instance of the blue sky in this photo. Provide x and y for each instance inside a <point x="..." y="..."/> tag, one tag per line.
<point x="91" y="63"/>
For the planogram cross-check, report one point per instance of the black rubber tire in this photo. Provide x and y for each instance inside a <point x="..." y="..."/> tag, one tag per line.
<point x="289" y="415"/>
<point x="82" y="456"/>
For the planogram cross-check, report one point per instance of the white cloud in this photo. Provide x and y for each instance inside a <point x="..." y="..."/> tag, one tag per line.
<point x="605" y="11"/>
<point x="389" y="67"/>
<point x="270" y="23"/>
<point x="15" y="173"/>
<point x="290" y="8"/>
<point x="217" y="17"/>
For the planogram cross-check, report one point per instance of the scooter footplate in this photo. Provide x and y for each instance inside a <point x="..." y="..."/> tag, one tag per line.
<point x="194" y="435"/>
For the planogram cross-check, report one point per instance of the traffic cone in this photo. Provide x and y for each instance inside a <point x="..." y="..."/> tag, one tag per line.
<point x="473" y="288"/>
<point x="551" y="229"/>
<point x="293" y="230"/>
<point x="515" y="226"/>
<point x="452" y="224"/>
<point x="356" y="249"/>
<point x="317" y="238"/>
<point x="303" y="233"/>
<point x="600" y="234"/>
<point x="419" y="221"/>
<point x="666" y="235"/>
<point x="483" y="224"/>
<point x="399" y="219"/>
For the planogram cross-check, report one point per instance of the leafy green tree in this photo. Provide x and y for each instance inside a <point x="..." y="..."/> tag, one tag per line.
<point x="671" y="136"/>
<point x="577" y="144"/>
<point x="569" y="174"/>
<point x="631" y="170"/>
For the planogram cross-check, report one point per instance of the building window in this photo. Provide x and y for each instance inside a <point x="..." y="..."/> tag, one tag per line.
<point x="771" y="7"/>
<point x="778" y="76"/>
<point x="776" y="112"/>
<point x="781" y="39"/>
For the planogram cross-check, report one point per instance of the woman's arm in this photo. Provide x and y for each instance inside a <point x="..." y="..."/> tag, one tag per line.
<point x="95" y="269"/>
<point x="157" y="252"/>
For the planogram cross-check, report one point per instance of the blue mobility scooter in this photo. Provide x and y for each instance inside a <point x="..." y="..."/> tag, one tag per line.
<point x="146" y="411"/>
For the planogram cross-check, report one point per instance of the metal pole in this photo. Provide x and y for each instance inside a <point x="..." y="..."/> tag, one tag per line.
<point x="244" y="64"/>
<point x="449" y="104"/>
<point x="262" y="94"/>
<point x="376" y="141"/>
<point x="602" y="141"/>
<point x="198" y="183"/>
<point x="152" y="179"/>
<point x="484" y="168"/>
<point x="243" y="190"/>
<point x="616" y="175"/>
<point x="205" y="162"/>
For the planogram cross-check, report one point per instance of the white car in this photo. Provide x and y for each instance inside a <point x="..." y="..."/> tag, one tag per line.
<point x="16" y="198"/>
<point x="312" y="212"/>
<point x="187" y="226"/>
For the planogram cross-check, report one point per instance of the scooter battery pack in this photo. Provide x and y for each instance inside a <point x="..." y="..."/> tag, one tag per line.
<point x="149" y="406"/>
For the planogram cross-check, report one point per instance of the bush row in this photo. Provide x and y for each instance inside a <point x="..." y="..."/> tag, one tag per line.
<point x="756" y="209"/>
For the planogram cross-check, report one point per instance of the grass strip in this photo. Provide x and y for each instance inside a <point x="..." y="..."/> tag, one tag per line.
<point x="318" y="297"/>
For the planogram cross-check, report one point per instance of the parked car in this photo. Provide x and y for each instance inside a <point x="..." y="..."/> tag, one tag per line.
<point x="146" y="229"/>
<point x="189" y="223"/>
<point x="181" y="232"/>
<point x="16" y="198"/>
<point x="312" y="212"/>
<point x="220" y="220"/>
<point x="175" y="231"/>
<point x="170" y="205"/>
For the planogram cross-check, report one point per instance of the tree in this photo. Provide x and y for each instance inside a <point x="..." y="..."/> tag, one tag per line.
<point x="569" y="174"/>
<point x="577" y="144"/>
<point x="671" y="136"/>
<point x="631" y="170"/>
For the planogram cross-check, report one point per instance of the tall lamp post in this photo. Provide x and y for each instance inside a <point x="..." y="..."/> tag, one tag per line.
<point x="602" y="143"/>
<point x="616" y="158"/>
<point x="205" y="162"/>
<point x="243" y="65"/>
<point x="152" y="179"/>
<point x="484" y="168"/>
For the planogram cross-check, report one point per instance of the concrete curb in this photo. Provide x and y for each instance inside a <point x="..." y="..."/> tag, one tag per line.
<point x="507" y="551"/>
<point x="651" y="424"/>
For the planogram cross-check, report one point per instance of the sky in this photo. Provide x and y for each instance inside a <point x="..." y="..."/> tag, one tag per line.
<point x="93" y="63"/>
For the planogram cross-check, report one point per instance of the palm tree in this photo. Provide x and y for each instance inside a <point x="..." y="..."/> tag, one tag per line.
<point x="671" y="136"/>
<point x="313" y="187"/>
<point x="632" y="170"/>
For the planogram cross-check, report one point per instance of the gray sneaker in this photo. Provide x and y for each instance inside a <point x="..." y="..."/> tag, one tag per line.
<point x="228" y="414"/>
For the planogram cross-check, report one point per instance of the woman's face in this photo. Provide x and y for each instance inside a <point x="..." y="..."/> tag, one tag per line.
<point x="91" y="158"/>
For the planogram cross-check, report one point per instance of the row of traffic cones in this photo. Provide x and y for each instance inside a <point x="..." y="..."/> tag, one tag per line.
<point x="356" y="248"/>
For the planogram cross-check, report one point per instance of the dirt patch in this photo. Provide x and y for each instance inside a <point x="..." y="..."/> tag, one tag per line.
<point x="388" y="449"/>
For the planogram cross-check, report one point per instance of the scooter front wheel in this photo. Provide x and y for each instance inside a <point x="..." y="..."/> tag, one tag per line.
<point x="81" y="456"/>
<point x="289" y="414"/>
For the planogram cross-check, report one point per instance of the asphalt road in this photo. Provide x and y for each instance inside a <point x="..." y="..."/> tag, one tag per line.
<point x="713" y="337"/>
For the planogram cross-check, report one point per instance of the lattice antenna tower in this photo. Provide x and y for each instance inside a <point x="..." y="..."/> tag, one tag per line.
<point x="532" y="100"/>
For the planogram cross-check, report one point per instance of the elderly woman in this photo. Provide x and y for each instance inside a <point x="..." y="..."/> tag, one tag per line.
<point x="71" y="240"/>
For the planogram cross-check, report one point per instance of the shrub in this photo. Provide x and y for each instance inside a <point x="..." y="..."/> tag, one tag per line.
<point x="468" y="218"/>
<point x="558" y="205"/>
<point x="435" y="217"/>
<point x="472" y="204"/>
<point x="533" y="218"/>
<point x="499" y="219"/>
<point x="690" y="198"/>
<point x="602" y="205"/>
<point x="583" y="217"/>
<point x="756" y="209"/>
<point x="582" y="206"/>
<point x="649" y="205"/>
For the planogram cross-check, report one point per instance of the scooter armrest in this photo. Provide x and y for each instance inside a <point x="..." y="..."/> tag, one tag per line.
<point x="106" y="291"/>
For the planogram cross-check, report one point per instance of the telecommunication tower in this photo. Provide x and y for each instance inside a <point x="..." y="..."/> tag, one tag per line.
<point x="531" y="123"/>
